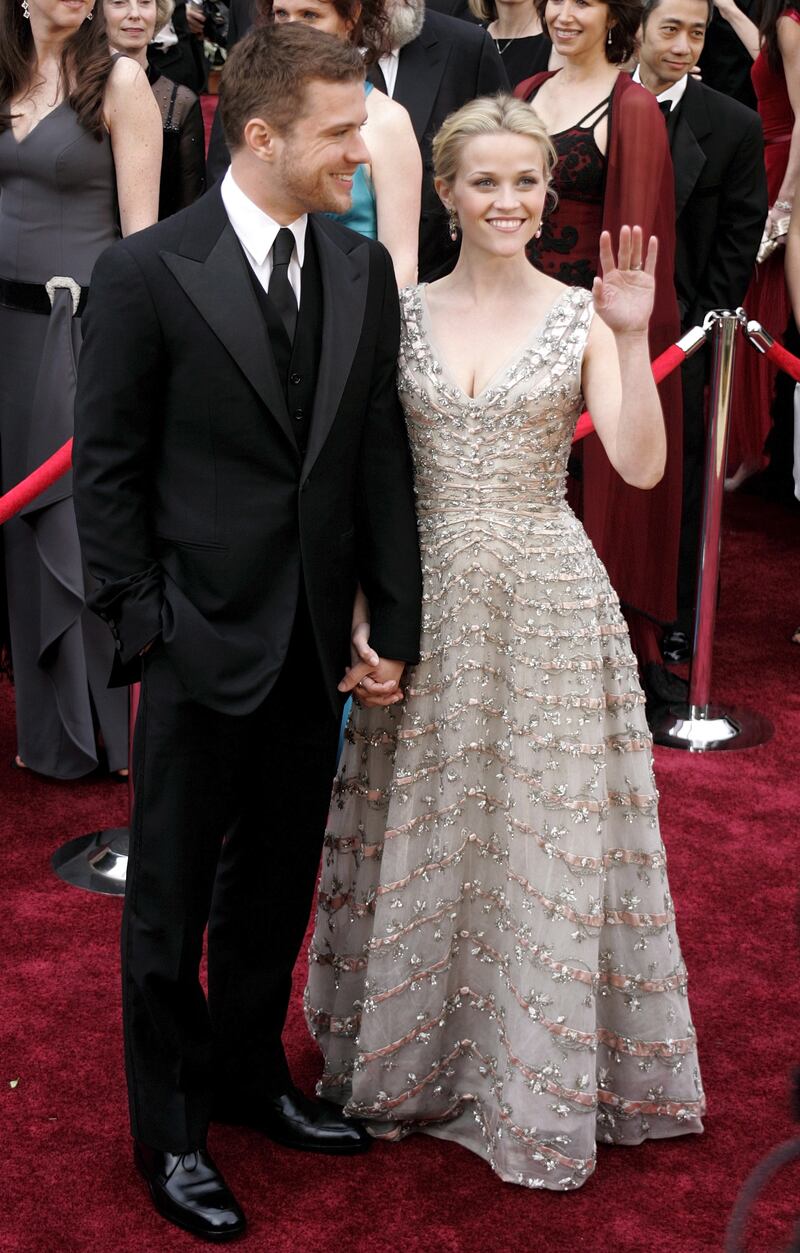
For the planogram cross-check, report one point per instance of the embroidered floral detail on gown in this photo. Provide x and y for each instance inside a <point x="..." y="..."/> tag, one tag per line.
<point x="495" y="959"/>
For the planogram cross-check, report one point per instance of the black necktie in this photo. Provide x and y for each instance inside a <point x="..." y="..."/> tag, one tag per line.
<point x="666" y="107"/>
<point x="375" y="76"/>
<point x="280" y="290"/>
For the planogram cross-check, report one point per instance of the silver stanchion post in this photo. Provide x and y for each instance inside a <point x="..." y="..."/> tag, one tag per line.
<point x="98" y="862"/>
<point x="699" y="725"/>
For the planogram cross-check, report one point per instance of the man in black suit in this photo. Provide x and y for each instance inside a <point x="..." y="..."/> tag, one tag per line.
<point x="437" y="64"/>
<point x="241" y="465"/>
<point x="721" y="204"/>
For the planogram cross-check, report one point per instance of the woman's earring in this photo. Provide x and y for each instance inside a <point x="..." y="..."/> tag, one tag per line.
<point x="537" y="233"/>
<point x="90" y="15"/>
<point x="453" y="224"/>
<point x="608" y="40"/>
<point x="26" y="13"/>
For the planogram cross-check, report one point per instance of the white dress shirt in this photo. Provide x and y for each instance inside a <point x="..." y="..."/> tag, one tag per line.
<point x="389" y="64"/>
<point x="257" y="231"/>
<point x="673" y="94"/>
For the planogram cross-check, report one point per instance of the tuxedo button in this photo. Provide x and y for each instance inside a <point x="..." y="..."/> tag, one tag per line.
<point x="118" y="645"/>
<point x="295" y="380"/>
<point x="298" y="415"/>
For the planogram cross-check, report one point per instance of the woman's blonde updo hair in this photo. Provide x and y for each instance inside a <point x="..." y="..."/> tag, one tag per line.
<point x="488" y="115"/>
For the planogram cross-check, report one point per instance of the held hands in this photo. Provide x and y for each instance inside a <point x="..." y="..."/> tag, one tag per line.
<point x="374" y="681"/>
<point x="623" y="297"/>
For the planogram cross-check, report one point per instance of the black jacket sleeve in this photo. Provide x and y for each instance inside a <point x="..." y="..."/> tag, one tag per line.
<point x="388" y="547"/>
<point x="117" y="413"/>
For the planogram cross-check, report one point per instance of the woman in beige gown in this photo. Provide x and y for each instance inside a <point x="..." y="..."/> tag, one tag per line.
<point x="495" y="959"/>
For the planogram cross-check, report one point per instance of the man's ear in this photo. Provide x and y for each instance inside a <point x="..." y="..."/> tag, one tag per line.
<point x="260" y="138"/>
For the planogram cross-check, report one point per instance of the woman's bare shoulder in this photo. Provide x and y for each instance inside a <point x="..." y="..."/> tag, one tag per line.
<point x="391" y="116"/>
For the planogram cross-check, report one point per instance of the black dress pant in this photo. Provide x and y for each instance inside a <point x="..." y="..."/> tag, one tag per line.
<point x="227" y="829"/>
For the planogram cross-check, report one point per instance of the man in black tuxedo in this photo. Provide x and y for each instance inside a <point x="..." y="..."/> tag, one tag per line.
<point x="721" y="204"/>
<point x="437" y="64"/>
<point x="241" y="465"/>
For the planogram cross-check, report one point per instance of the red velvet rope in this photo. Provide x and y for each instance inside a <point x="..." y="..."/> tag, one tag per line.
<point x="36" y="483"/>
<point x="777" y="354"/>
<point x="47" y="473"/>
<point x="662" y="366"/>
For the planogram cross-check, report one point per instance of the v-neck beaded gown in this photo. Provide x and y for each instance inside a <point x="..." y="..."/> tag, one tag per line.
<point x="495" y="959"/>
<point x="58" y="212"/>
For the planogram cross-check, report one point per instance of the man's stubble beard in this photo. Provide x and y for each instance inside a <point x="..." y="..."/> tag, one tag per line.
<point x="315" y="193"/>
<point x="406" y="19"/>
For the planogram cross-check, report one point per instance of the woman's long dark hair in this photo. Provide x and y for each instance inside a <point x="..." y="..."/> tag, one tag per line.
<point x="370" y="29"/>
<point x="85" y="65"/>
<point x="768" y="13"/>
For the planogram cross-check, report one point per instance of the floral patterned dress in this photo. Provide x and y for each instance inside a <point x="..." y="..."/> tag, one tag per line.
<point x="495" y="959"/>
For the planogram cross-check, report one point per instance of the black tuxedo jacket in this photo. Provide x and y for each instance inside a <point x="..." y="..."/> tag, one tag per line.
<point x="449" y="63"/>
<point x="197" y="513"/>
<point x="720" y="200"/>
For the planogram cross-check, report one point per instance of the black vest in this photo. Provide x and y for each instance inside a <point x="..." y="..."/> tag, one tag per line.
<point x="297" y="362"/>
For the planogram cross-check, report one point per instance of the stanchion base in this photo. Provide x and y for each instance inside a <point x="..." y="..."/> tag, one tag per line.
<point x="710" y="728"/>
<point x="96" y="862"/>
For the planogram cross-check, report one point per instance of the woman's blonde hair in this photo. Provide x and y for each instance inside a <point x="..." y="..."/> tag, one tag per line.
<point x="488" y="115"/>
<point x="484" y="10"/>
<point x="164" y="11"/>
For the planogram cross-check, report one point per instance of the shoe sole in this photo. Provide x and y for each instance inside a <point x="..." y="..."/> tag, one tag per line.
<point x="213" y="1237"/>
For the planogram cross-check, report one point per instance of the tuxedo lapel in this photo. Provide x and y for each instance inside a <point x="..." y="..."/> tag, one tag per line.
<point x="211" y="269"/>
<point x="344" y="286"/>
<point x="688" y="158"/>
<point x="420" y="68"/>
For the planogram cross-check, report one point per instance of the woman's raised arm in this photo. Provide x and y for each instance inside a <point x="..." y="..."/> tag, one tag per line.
<point x="617" y="379"/>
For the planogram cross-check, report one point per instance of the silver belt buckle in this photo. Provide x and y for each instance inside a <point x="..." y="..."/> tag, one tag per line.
<point x="60" y="280"/>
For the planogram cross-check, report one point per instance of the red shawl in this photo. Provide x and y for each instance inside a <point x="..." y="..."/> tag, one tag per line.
<point x="635" y="532"/>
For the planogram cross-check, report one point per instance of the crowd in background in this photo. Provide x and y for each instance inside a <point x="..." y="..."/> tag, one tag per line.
<point x="682" y="116"/>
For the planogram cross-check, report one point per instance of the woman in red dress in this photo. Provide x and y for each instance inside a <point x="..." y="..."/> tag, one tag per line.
<point x="775" y="45"/>
<point x="613" y="169"/>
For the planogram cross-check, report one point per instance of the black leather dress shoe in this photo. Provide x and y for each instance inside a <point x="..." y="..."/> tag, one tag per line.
<point x="188" y="1190"/>
<point x="676" y="647"/>
<point x="297" y="1122"/>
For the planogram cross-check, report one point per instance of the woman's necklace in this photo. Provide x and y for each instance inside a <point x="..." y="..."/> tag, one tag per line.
<point x="503" y="47"/>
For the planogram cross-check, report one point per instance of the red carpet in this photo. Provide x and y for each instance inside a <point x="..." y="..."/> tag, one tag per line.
<point x="730" y="824"/>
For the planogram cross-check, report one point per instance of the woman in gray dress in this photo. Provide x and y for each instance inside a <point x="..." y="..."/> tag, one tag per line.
<point x="495" y="959"/>
<point x="80" y="150"/>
